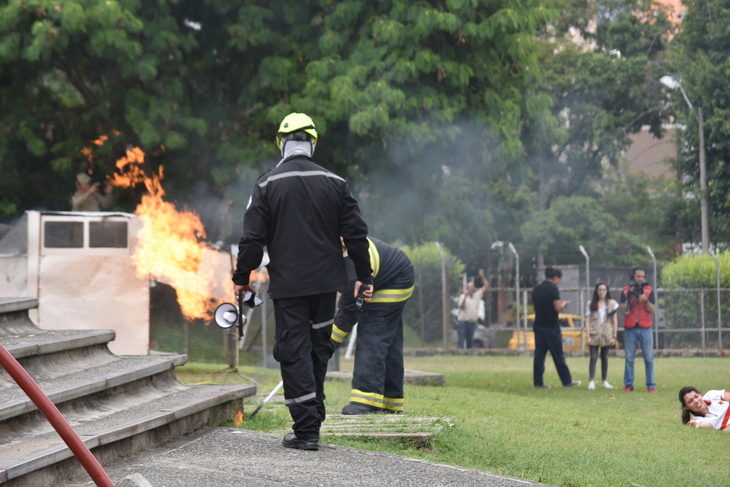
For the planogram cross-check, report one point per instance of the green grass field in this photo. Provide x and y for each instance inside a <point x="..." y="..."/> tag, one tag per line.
<point x="562" y="437"/>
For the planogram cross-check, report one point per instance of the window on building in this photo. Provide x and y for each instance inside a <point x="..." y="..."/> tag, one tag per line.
<point x="108" y="234"/>
<point x="63" y="235"/>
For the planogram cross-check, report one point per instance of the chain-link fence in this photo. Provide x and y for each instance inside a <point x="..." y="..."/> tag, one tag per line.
<point x="686" y="320"/>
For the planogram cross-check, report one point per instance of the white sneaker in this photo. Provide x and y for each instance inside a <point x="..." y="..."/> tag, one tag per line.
<point x="591" y="385"/>
<point x="606" y="385"/>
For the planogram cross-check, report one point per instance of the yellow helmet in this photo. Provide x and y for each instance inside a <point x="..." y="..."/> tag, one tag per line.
<point x="296" y="122"/>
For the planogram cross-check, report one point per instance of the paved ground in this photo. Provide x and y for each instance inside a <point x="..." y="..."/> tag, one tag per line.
<point x="227" y="457"/>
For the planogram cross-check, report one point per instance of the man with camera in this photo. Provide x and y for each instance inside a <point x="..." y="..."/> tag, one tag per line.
<point x="469" y="311"/>
<point x="637" y="304"/>
<point x="90" y="196"/>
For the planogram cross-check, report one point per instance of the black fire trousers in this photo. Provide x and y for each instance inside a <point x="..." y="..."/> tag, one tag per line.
<point x="377" y="379"/>
<point x="303" y="347"/>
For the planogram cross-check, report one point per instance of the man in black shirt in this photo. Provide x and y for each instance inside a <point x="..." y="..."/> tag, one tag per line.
<point x="548" y="337"/>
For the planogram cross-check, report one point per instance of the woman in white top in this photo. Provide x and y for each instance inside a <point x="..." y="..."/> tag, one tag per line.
<point x="709" y="411"/>
<point x="601" y="329"/>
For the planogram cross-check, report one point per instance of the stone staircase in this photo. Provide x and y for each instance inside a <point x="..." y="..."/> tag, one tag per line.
<point x="119" y="405"/>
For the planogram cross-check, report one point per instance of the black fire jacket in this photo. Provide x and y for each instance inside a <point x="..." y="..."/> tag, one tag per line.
<point x="298" y="211"/>
<point x="393" y="278"/>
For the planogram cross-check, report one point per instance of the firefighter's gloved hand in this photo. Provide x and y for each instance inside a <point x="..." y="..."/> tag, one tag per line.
<point x="364" y="289"/>
<point x="332" y="347"/>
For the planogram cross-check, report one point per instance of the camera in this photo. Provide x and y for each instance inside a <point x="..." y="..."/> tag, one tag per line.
<point x="361" y="297"/>
<point x="636" y="289"/>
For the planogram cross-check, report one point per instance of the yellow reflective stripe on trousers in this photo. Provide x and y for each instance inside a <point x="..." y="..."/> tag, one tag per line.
<point x="393" y="403"/>
<point x="374" y="257"/>
<point x="338" y="335"/>
<point x="368" y="398"/>
<point x="391" y="295"/>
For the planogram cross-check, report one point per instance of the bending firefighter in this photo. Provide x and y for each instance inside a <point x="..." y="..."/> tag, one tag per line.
<point x="377" y="380"/>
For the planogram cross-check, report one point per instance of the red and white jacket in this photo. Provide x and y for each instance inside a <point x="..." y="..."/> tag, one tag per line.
<point x="637" y="312"/>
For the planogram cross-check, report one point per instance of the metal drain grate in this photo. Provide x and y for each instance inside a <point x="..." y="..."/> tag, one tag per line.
<point x="417" y="430"/>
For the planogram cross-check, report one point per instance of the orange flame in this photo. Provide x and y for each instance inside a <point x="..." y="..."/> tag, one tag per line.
<point x="238" y="420"/>
<point x="170" y="246"/>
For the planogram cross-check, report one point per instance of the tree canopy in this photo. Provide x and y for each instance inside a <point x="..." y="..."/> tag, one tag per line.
<point x="699" y="60"/>
<point x="416" y="96"/>
<point x="458" y="121"/>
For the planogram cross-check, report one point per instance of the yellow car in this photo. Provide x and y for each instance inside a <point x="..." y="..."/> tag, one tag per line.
<point x="570" y="326"/>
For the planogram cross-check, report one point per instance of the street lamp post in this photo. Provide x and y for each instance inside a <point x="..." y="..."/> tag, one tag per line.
<point x="446" y="305"/>
<point x="517" y="287"/>
<point x="588" y="282"/>
<point x="656" y="299"/>
<point x="672" y="83"/>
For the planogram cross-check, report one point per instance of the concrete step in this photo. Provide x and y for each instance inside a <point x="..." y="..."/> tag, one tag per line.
<point x="118" y="405"/>
<point x="83" y="381"/>
<point x="45" y="342"/>
<point x="118" y="427"/>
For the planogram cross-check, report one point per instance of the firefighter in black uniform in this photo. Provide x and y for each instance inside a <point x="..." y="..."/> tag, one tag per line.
<point x="377" y="380"/>
<point x="298" y="211"/>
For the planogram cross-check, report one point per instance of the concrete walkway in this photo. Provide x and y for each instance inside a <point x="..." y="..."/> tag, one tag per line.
<point x="227" y="457"/>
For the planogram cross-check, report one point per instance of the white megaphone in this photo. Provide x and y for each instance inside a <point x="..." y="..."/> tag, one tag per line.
<point x="226" y="315"/>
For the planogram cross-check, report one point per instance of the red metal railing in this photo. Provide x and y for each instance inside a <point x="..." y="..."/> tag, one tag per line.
<point x="54" y="416"/>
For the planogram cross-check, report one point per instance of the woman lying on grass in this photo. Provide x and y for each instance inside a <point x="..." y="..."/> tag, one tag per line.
<point x="709" y="411"/>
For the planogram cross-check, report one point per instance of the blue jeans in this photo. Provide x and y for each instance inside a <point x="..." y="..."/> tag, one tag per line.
<point x="645" y="338"/>
<point x="465" y="330"/>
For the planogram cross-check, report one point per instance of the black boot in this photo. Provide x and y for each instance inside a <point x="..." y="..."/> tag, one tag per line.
<point x="357" y="408"/>
<point x="291" y="441"/>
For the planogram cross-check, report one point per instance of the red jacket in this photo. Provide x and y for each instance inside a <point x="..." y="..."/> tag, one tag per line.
<point x="637" y="313"/>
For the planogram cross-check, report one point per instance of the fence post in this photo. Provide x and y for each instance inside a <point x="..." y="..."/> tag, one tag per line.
<point x="719" y="312"/>
<point x="517" y="286"/>
<point x="524" y="316"/>
<point x="446" y="309"/>
<point x="656" y="299"/>
<point x="702" y="316"/>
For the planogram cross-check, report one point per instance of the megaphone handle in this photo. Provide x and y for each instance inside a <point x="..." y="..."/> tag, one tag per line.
<point x="240" y="313"/>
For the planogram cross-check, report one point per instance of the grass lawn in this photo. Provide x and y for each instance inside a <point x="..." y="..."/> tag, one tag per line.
<point x="562" y="437"/>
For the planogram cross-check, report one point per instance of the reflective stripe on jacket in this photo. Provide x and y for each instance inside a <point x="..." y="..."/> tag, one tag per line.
<point x="298" y="211"/>
<point x="393" y="281"/>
